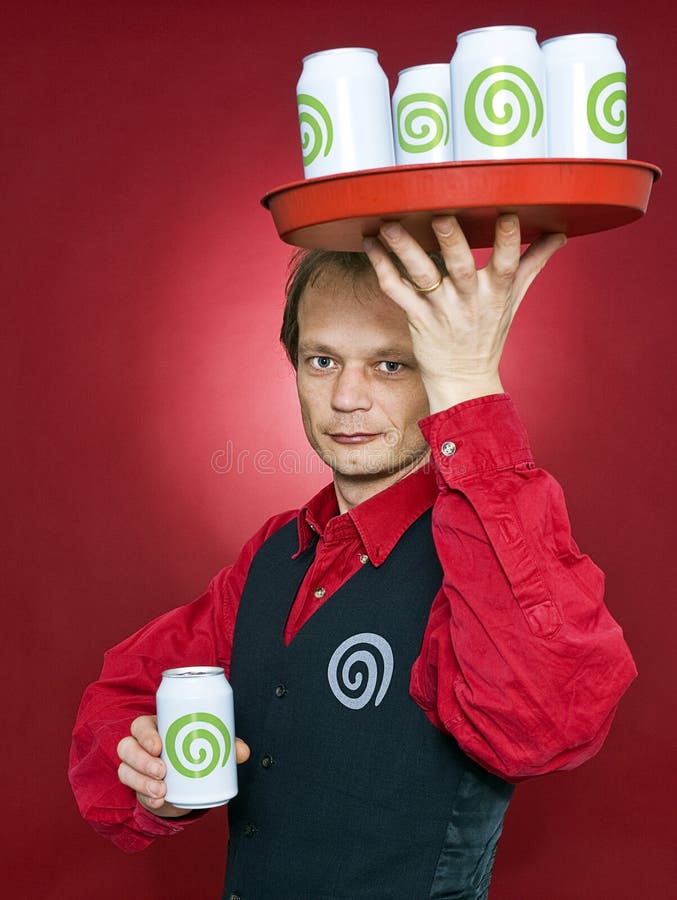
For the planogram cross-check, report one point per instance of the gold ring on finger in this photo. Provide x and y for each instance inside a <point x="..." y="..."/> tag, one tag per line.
<point x="427" y="290"/>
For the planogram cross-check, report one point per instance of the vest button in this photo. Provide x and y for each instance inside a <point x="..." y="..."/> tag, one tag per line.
<point x="280" y="690"/>
<point x="320" y="592"/>
<point x="267" y="761"/>
<point x="249" y="829"/>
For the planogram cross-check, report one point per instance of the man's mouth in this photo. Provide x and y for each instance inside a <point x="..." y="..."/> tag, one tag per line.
<point x="356" y="437"/>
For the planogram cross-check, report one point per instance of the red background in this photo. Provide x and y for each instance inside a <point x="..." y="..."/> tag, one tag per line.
<point x="142" y="284"/>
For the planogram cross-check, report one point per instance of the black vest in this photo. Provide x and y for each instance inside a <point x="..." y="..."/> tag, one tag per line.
<point x="350" y="792"/>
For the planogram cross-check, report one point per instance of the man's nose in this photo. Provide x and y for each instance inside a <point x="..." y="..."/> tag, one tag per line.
<point x="351" y="390"/>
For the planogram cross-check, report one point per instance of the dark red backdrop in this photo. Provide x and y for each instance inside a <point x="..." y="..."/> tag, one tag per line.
<point x="149" y="405"/>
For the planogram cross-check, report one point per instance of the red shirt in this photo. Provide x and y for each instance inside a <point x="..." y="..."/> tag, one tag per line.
<point x="521" y="661"/>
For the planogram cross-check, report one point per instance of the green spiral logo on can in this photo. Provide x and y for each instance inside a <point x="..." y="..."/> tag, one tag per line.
<point x="317" y="131"/>
<point x="198" y="740"/>
<point x="422" y="122"/>
<point x="607" y="103"/>
<point x="509" y="98"/>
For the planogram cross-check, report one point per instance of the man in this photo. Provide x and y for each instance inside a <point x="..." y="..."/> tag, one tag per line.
<point x="423" y="633"/>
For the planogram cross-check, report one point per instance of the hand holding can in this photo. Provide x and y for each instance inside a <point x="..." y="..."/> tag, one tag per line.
<point x="197" y="728"/>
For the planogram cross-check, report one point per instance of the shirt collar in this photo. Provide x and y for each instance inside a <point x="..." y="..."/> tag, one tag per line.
<point x="380" y="521"/>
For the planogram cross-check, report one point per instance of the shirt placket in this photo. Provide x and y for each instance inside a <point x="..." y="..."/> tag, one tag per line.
<point x="339" y="554"/>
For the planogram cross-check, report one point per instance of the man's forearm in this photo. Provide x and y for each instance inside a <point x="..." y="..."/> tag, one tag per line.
<point x="521" y="660"/>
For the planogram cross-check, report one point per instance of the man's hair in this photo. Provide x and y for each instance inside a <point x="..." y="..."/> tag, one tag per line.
<point x="306" y="267"/>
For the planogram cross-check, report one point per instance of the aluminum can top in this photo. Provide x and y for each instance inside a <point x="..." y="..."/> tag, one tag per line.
<point x="192" y="672"/>
<point x="340" y="50"/>
<point x="582" y="36"/>
<point x="424" y="66"/>
<point x="490" y="28"/>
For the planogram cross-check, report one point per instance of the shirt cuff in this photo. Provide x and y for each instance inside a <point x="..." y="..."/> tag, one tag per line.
<point x="477" y="437"/>
<point x="158" y="826"/>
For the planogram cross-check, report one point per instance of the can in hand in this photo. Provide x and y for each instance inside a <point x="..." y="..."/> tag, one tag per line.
<point x="344" y="112"/>
<point x="422" y="115"/>
<point x="197" y="727"/>
<point x="497" y="90"/>
<point x="586" y="96"/>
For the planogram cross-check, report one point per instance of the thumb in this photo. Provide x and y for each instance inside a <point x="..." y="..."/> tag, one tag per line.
<point x="242" y="751"/>
<point x="536" y="256"/>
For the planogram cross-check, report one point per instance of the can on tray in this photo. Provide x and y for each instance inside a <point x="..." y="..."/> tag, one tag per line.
<point x="196" y="724"/>
<point x="586" y="96"/>
<point x="344" y="112"/>
<point x="497" y="91"/>
<point x="422" y="115"/>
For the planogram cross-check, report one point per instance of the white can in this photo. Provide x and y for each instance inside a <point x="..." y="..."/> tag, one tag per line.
<point x="197" y="727"/>
<point x="344" y="112"/>
<point x="422" y="115"/>
<point x="586" y="96"/>
<point x="497" y="91"/>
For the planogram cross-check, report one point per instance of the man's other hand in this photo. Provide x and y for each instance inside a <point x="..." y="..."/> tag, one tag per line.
<point x="143" y="771"/>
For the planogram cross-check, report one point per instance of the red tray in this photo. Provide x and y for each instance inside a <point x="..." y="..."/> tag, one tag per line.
<point x="574" y="196"/>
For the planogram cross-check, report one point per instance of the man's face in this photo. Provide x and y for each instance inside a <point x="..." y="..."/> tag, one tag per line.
<point x="360" y="391"/>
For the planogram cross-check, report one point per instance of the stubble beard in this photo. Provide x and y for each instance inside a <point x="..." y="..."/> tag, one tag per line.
<point x="364" y="464"/>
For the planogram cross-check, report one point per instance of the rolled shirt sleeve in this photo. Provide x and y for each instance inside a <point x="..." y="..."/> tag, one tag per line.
<point x="521" y="660"/>
<point x="198" y="633"/>
<point x="126" y="689"/>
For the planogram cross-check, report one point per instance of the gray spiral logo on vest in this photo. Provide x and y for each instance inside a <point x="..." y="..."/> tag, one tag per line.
<point x="359" y="669"/>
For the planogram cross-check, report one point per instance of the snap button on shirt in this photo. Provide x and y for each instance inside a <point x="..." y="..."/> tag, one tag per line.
<point x="280" y="690"/>
<point x="448" y="448"/>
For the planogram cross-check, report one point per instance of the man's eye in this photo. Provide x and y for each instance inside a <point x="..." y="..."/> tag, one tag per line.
<point x="390" y="366"/>
<point x="321" y="362"/>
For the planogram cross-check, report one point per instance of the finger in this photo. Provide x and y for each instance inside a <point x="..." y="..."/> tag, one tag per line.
<point x="151" y="790"/>
<point x="422" y="271"/>
<point x="537" y="254"/>
<point x="242" y="751"/>
<point x="132" y="754"/>
<point x="144" y="729"/>
<point x="505" y="258"/>
<point x="389" y="279"/>
<point x="533" y="260"/>
<point x="155" y="804"/>
<point x="456" y="253"/>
